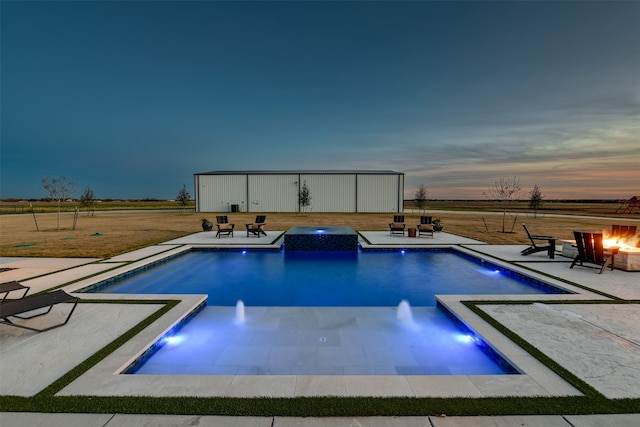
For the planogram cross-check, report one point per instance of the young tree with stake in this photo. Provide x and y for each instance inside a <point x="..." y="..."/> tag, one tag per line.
<point x="304" y="197"/>
<point x="420" y="198"/>
<point x="58" y="189"/>
<point x="505" y="191"/>
<point x="88" y="200"/>
<point x="535" y="200"/>
<point x="184" y="197"/>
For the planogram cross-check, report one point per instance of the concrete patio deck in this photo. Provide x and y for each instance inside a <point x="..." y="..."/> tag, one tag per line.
<point x="599" y="343"/>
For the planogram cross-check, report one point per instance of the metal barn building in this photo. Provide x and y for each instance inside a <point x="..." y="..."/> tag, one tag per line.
<point x="277" y="191"/>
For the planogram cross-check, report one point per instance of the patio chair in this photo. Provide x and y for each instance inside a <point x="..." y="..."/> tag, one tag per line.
<point x="592" y="251"/>
<point x="18" y="308"/>
<point x="623" y="231"/>
<point x="224" y="228"/>
<point x="7" y="287"/>
<point x="397" y="226"/>
<point x="550" y="247"/>
<point x="257" y="228"/>
<point x="425" y="226"/>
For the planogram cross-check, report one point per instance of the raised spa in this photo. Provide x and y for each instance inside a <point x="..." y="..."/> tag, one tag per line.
<point x="305" y="238"/>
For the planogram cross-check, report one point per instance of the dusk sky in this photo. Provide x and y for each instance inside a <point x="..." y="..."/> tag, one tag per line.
<point x="132" y="98"/>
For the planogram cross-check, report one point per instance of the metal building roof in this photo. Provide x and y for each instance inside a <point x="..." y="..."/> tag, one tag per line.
<point x="307" y="172"/>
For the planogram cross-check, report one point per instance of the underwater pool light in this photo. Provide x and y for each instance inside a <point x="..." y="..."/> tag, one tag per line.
<point x="467" y="338"/>
<point x="489" y="271"/>
<point x="173" y="340"/>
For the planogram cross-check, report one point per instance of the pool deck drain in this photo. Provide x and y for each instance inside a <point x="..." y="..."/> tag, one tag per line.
<point x="614" y="336"/>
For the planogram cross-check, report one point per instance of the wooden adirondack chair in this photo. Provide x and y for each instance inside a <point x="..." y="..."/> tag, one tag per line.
<point x="592" y="251"/>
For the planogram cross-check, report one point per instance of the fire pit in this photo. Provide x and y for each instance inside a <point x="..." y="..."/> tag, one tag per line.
<point x="627" y="258"/>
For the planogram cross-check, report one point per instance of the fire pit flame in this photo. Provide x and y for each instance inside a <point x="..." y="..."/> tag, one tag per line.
<point x="626" y="243"/>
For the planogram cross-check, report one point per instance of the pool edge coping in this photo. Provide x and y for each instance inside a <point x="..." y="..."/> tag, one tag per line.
<point x="535" y="376"/>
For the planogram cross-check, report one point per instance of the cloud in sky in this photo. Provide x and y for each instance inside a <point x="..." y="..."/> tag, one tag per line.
<point x="133" y="98"/>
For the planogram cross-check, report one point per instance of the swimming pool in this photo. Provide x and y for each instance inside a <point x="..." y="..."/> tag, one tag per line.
<point x="324" y="278"/>
<point x="322" y="313"/>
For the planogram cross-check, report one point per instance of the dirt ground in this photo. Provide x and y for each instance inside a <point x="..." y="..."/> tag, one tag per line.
<point x="106" y="234"/>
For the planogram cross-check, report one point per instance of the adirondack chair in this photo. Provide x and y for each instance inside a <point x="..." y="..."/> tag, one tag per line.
<point x="623" y="231"/>
<point x="397" y="226"/>
<point x="550" y="247"/>
<point x="592" y="251"/>
<point x="224" y="228"/>
<point x="425" y="226"/>
<point x="257" y="228"/>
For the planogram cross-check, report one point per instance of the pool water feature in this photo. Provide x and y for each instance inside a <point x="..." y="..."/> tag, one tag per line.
<point x="240" y="312"/>
<point x="405" y="314"/>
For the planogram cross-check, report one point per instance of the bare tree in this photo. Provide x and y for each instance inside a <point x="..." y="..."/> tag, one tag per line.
<point x="420" y="198"/>
<point x="59" y="189"/>
<point x="505" y="191"/>
<point x="535" y="200"/>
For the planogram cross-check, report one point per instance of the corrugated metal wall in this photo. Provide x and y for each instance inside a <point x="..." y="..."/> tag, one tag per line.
<point x="217" y="193"/>
<point x="378" y="193"/>
<point x="331" y="193"/>
<point x="273" y="193"/>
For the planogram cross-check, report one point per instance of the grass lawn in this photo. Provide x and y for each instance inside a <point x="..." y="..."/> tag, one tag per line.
<point x="107" y="233"/>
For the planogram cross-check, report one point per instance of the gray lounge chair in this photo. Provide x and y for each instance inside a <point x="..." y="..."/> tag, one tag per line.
<point x="7" y="287"/>
<point x="35" y="303"/>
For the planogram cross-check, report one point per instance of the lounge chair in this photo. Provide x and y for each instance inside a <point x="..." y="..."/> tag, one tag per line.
<point x="224" y="228"/>
<point x="7" y="287"/>
<point x="591" y="250"/>
<point x="550" y="247"/>
<point x="25" y="305"/>
<point x="425" y="226"/>
<point x="397" y="226"/>
<point x="623" y="231"/>
<point x="257" y="228"/>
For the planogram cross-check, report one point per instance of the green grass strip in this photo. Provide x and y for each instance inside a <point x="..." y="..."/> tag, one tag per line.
<point x="323" y="406"/>
<point x="76" y="372"/>
<point x="585" y="388"/>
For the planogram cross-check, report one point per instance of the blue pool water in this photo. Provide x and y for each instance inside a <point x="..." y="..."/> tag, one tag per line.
<point x="325" y="279"/>
<point x="322" y="313"/>
<point x="321" y="341"/>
